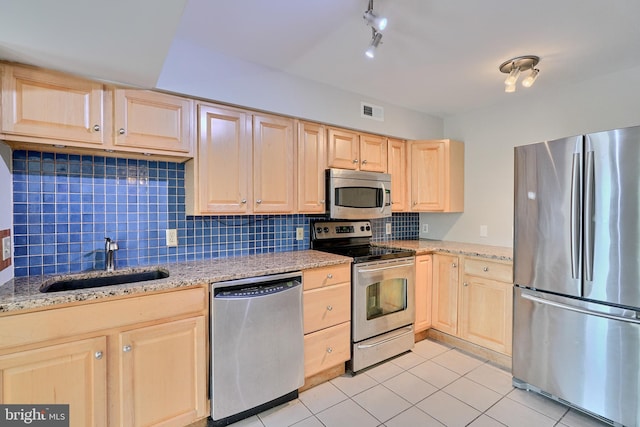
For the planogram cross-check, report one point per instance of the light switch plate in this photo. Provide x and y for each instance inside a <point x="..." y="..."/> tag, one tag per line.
<point x="388" y="228"/>
<point x="172" y="237"/>
<point x="299" y="233"/>
<point x="6" y="248"/>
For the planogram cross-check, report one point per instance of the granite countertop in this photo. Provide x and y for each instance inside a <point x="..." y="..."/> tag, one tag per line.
<point x="23" y="293"/>
<point x="424" y="246"/>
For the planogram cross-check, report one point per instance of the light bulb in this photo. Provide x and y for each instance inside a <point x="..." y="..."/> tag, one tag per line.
<point x="531" y="78"/>
<point x="377" y="22"/>
<point x="375" y="41"/>
<point x="512" y="78"/>
<point x="510" y="88"/>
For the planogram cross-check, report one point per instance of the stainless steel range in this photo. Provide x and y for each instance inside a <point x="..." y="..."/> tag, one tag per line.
<point x="382" y="295"/>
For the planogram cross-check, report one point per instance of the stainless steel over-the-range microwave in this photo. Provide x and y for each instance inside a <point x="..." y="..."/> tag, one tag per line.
<point x="358" y="194"/>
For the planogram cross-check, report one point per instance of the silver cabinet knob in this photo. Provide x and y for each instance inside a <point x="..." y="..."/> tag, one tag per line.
<point x="485" y="268"/>
<point x="259" y="201"/>
<point x="121" y="131"/>
<point x="415" y="203"/>
<point x="329" y="308"/>
<point x="329" y="349"/>
<point x="322" y="202"/>
<point x="465" y="284"/>
<point x="364" y="162"/>
<point x="243" y="201"/>
<point x="98" y="355"/>
<point x="329" y="276"/>
<point x="96" y="128"/>
<point x="454" y="265"/>
<point x="126" y="348"/>
<point x="355" y="160"/>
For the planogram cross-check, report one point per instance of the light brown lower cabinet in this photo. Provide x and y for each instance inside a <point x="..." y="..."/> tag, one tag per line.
<point x="423" y="292"/>
<point x="128" y="362"/>
<point x="472" y="300"/>
<point x="327" y="315"/>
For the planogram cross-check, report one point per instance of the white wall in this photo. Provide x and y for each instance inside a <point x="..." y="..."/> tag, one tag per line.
<point x="6" y="203"/>
<point x="197" y="72"/>
<point x="490" y="134"/>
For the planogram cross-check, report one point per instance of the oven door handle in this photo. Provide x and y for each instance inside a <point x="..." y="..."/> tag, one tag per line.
<point x="373" y="270"/>
<point x="404" y="331"/>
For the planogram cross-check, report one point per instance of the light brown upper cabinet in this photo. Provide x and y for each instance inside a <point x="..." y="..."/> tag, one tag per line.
<point x="243" y="163"/>
<point x="152" y="121"/>
<point x="397" y="167"/>
<point x="356" y="151"/>
<point x="273" y="164"/>
<point x="46" y="107"/>
<point x="311" y="165"/>
<point x="437" y="176"/>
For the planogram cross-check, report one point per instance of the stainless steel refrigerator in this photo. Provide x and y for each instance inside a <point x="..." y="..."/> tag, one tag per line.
<point x="576" y="334"/>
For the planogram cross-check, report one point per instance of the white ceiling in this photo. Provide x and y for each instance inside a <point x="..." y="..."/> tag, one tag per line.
<point x="439" y="57"/>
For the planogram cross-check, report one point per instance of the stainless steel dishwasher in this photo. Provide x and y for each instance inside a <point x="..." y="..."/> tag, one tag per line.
<point x="257" y="354"/>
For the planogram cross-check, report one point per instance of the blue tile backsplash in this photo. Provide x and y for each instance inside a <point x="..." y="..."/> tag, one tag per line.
<point x="65" y="205"/>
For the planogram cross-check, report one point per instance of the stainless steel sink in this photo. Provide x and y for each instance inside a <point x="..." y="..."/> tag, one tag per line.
<point x="70" y="283"/>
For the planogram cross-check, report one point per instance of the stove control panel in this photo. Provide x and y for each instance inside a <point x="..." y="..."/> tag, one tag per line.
<point x="323" y="230"/>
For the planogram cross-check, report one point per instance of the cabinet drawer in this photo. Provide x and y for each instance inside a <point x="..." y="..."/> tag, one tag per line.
<point x="326" y="348"/>
<point x="326" y="276"/>
<point x="489" y="269"/>
<point x="324" y="307"/>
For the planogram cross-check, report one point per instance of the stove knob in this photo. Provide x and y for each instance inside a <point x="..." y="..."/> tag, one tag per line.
<point x="362" y="228"/>
<point x="326" y="229"/>
<point x="368" y="228"/>
<point x="318" y="230"/>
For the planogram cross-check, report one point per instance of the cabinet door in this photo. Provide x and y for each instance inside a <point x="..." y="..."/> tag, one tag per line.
<point x="485" y="313"/>
<point x="273" y="164"/>
<point x="444" y="313"/>
<point x="342" y="149"/>
<point x="222" y="174"/>
<point x="53" y="106"/>
<point x="423" y="292"/>
<point x="152" y="120"/>
<point x="163" y="374"/>
<point x="373" y="153"/>
<point x="73" y="373"/>
<point x="311" y="166"/>
<point x="397" y="167"/>
<point x="428" y="174"/>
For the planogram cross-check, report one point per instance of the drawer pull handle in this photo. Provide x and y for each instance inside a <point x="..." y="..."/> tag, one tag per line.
<point x="126" y="348"/>
<point x="98" y="355"/>
<point x="329" y="276"/>
<point x="329" y="349"/>
<point x="485" y="269"/>
<point x="329" y="308"/>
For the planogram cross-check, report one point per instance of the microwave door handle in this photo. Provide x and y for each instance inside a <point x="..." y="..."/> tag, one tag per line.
<point x="384" y="195"/>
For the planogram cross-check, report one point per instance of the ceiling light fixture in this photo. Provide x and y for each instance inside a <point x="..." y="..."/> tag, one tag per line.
<point x="377" y="24"/>
<point x="515" y="66"/>
<point x="375" y="41"/>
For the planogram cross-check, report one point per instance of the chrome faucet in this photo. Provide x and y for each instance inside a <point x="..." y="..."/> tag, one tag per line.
<point x="109" y="248"/>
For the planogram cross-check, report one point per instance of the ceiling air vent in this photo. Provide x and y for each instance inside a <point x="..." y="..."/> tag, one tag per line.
<point x="370" y="111"/>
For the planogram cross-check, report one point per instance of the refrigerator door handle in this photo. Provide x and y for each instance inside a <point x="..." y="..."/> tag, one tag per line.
<point x="581" y="310"/>
<point x="589" y="212"/>
<point x="576" y="190"/>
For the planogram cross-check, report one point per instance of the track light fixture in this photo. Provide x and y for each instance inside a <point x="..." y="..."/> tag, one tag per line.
<point x="377" y="24"/>
<point x="515" y="66"/>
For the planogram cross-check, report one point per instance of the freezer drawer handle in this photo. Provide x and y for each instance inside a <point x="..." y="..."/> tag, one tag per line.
<point x="580" y="310"/>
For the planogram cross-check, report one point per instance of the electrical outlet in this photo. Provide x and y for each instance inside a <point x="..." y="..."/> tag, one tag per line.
<point x="425" y="228"/>
<point x="299" y="233"/>
<point x="172" y="237"/>
<point x="388" y="228"/>
<point x="6" y="248"/>
<point x="484" y="232"/>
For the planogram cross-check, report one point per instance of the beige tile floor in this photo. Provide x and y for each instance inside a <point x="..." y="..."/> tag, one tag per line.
<point x="434" y="385"/>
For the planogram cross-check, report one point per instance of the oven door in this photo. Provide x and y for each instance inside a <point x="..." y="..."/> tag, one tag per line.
<point x="383" y="296"/>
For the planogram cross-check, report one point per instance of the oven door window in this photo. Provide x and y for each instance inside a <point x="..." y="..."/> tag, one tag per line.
<point x="386" y="297"/>
<point x="359" y="197"/>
